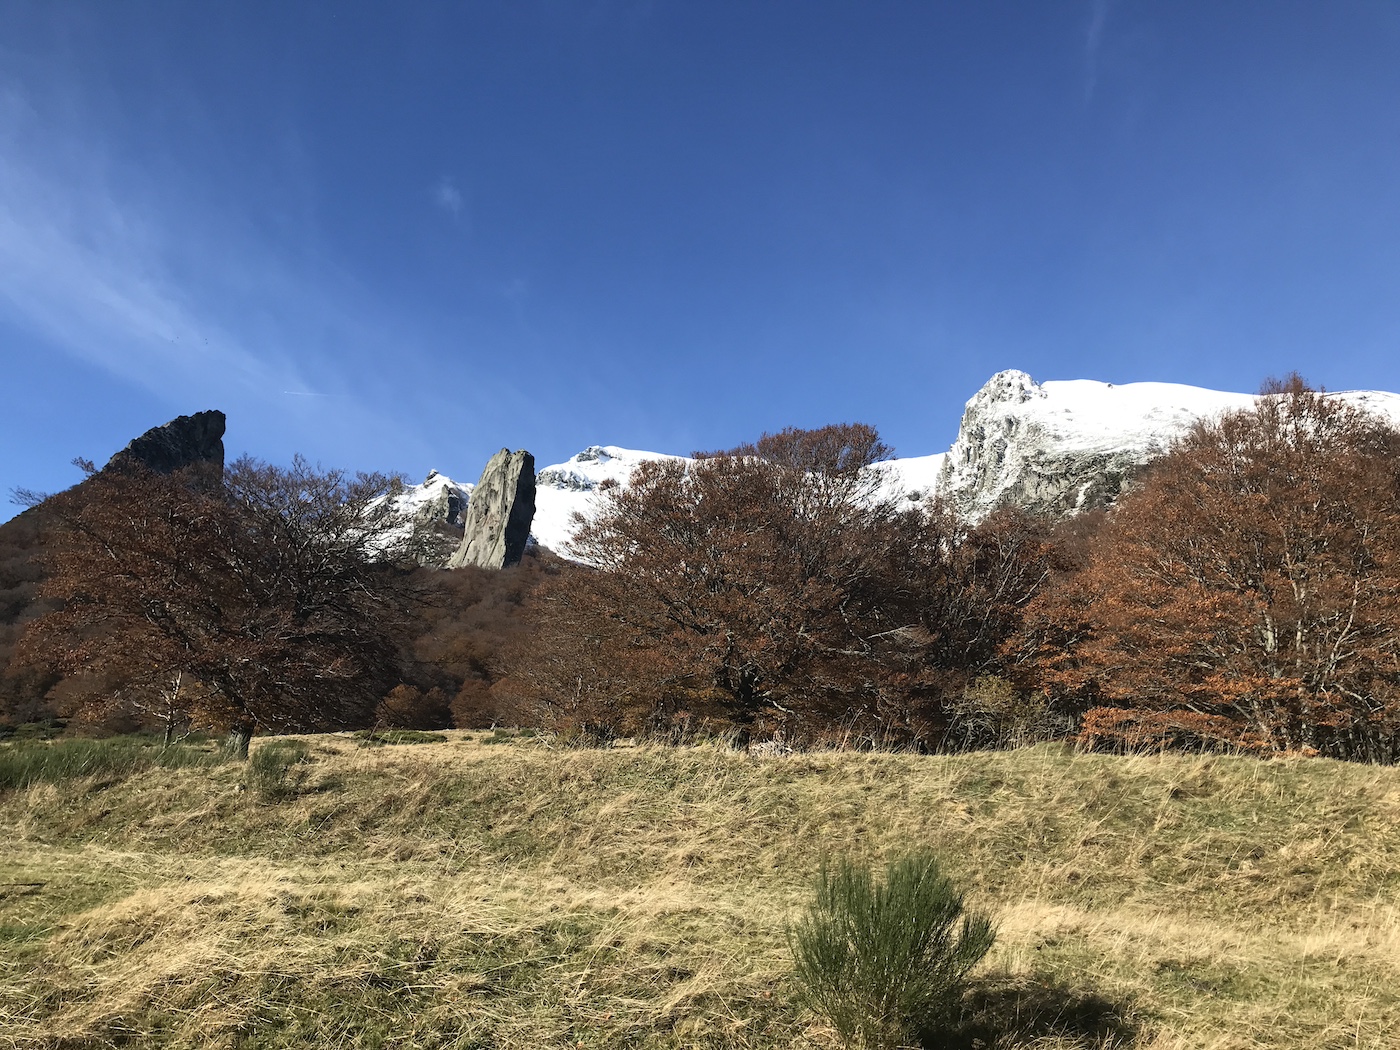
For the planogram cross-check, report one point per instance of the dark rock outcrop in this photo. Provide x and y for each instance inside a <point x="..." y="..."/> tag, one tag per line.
<point x="185" y="441"/>
<point x="498" y="517"/>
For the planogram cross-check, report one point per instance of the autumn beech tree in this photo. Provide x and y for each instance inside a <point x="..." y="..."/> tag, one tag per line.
<point x="268" y="599"/>
<point x="1248" y="590"/>
<point x="768" y="589"/>
<point x="752" y="588"/>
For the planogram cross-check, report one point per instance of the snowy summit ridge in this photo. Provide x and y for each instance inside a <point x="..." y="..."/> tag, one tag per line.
<point x="1055" y="447"/>
<point x="1061" y="447"/>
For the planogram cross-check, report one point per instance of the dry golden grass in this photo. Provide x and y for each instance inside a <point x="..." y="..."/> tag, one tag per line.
<point x="463" y="895"/>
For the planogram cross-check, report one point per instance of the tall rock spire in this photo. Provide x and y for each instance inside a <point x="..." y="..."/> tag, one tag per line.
<point x="499" y="514"/>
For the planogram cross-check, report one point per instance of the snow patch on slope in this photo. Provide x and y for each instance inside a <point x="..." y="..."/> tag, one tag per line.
<point x="910" y="481"/>
<point x="572" y="486"/>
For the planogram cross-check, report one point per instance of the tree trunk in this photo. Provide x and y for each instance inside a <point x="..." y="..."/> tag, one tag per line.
<point x="239" y="737"/>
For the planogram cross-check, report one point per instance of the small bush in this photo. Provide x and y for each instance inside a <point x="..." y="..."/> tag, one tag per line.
<point x="277" y="770"/>
<point x="882" y="959"/>
<point x="993" y="713"/>
<point x="587" y="735"/>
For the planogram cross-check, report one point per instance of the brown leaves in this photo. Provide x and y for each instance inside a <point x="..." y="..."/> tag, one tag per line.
<point x="768" y="588"/>
<point x="1254" y="576"/>
<point x="263" y="592"/>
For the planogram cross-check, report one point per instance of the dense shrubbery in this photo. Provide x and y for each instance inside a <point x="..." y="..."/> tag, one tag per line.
<point x="263" y="598"/>
<point x="1246" y="593"/>
<point x="773" y="591"/>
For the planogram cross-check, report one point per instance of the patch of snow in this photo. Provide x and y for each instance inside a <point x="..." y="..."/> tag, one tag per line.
<point x="912" y="480"/>
<point x="572" y="486"/>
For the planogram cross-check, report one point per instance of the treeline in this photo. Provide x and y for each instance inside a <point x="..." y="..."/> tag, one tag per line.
<point x="1244" y="593"/>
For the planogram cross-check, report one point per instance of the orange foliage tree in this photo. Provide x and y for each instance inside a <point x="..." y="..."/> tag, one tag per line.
<point x="769" y="589"/>
<point x="262" y="599"/>
<point x="751" y="588"/>
<point x="1247" y="590"/>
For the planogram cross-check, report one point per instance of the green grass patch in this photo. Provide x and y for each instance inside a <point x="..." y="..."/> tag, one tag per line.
<point x="25" y="762"/>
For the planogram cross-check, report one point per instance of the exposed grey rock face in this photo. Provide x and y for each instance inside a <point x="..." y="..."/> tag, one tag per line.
<point x="1059" y="448"/>
<point x="497" y="520"/>
<point x="185" y="441"/>
<point x="443" y="501"/>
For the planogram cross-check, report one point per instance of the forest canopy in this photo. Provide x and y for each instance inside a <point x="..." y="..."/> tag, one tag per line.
<point x="1244" y="593"/>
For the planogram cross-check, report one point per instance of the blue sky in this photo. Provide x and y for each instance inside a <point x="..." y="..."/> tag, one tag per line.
<point x="399" y="236"/>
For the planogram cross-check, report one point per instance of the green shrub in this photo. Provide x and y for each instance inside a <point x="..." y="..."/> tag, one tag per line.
<point x="277" y="770"/>
<point x="886" y="960"/>
<point x="24" y="762"/>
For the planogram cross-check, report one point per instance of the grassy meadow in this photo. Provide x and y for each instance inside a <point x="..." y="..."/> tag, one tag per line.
<point x="468" y="890"/>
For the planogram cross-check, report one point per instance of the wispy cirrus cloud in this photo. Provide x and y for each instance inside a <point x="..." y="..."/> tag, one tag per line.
<point x="89" y="265"/>
<point x="164" y="279"/>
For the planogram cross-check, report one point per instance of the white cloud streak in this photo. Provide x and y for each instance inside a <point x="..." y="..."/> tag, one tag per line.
<point x="164" y="274"/>
<point x="87" y="268"/>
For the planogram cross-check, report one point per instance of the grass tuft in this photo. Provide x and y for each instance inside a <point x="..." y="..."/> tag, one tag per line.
<point x="278" y="769"/>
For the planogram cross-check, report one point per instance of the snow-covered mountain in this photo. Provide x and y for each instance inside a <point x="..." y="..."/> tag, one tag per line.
<point x="431" y="512"/>
<point x="1058" y="447"/>
<point x="438" y="498"/>
<point x="572" y="486"/>
<point x="1055" y="447"/>
<point x="1061" y="447"/>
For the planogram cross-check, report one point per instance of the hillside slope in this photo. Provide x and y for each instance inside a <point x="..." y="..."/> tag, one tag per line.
<point x="485" y="891"/>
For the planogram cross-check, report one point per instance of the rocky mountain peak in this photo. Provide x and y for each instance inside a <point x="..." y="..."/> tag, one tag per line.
<point x="185" y="441"/>
<point x="1010" y="387"/>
